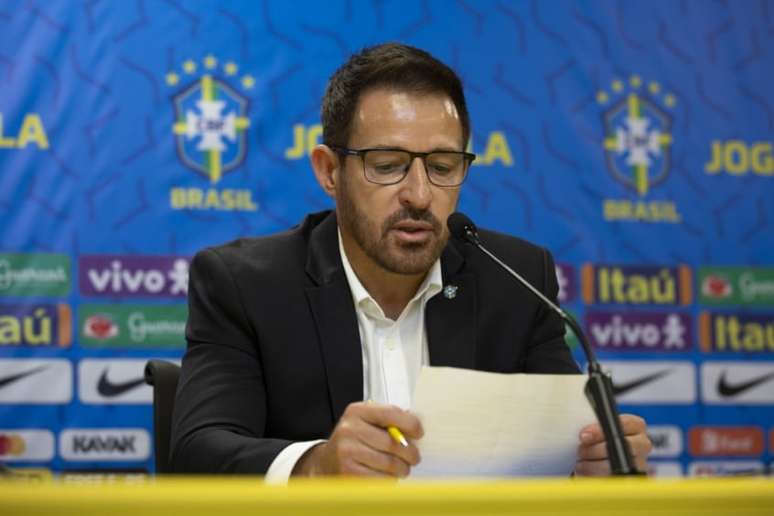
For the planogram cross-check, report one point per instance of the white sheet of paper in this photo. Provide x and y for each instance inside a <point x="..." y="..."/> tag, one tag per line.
<point x="498" y="425"/>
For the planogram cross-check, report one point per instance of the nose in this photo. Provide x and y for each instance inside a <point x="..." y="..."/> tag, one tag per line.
<point x="416" y="189"/>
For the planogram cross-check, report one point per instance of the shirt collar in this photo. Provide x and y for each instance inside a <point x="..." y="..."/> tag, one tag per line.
<point x="430" y="286"/>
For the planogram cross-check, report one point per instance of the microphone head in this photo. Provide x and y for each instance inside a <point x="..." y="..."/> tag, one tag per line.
<point x="460" y="226"/>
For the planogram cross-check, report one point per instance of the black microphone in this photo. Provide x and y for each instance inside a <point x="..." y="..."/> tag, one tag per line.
<point x="599" y="387"/>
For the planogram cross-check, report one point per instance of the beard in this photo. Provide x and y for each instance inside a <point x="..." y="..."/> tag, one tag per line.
<point x="376" y="241"/>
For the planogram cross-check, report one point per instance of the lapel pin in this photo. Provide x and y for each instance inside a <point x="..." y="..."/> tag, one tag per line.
<point x="450" y="291"/>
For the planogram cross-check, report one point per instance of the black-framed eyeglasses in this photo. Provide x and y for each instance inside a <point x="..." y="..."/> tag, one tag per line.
<point x="390" y="166"/>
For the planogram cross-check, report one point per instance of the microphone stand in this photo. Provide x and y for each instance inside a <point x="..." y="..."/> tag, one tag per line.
<point x="599" y="387"/>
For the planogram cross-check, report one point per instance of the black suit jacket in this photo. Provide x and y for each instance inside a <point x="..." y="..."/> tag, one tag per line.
<point x="274" y="353"/>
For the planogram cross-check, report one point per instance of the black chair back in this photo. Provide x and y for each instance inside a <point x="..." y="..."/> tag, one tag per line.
<point x="163" y="377"/>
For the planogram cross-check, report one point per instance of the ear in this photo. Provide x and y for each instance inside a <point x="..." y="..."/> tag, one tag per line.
<point x="326" y="165"/>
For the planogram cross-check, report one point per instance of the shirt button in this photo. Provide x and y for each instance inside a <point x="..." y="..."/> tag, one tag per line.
<point x="391" y="344"/>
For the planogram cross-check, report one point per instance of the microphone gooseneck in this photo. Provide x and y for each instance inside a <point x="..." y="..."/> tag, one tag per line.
<point x="599" y="388"/>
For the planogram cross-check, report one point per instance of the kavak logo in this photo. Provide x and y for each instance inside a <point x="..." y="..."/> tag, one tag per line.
<point x="736" y="332"/>
<point x="35" y="325"/>
<point x="637" y="285"/>
<point x="133" y="325"/>
<point x="104" y="444"/>
<point x="34" y="274"/>
<point x="35" y="381"/>
<point x="637" y="146"/>
<point x="565" y="277"/>
<point x="638" y="331"/>
<point x="113" y="381"/>
<point x="752" y="286"/>
<point x="26" y="445"/>
<point x="724" y="468"/>
<point x="711" y="441"/>
<point x="133" y="276"/>
<point x="210" y="128"/>
<point x="653" y="382"/>
<point x="667" y="440"/>
<point x="737" y="383"/>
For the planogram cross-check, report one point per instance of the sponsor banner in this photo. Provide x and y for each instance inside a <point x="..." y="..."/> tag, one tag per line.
<point x="133" y="276"/>
<point x="117" y="381"/>
<point x="639" y="331"/>
<point x="118" y="326"/>
<point x="721" y="468"/>
<point x="34" y="274"/>
<point x="568" y="282"/>
<point x="667" y="440"/>
<point x="737" y="383"/>
<point x="667" y="382"/>
<point x="733" y="332"/>
<point x="36" y="325"/>
<point x="637" y="285"/>
<point x="664" y="469"/>
<point x="715" y="441"/>
<point x="26" y="445"/>
<point x="736" y="286"/>
<point x="104" y="444"/>
<point x="36" y="381"/>
<point x="31" y="474"/>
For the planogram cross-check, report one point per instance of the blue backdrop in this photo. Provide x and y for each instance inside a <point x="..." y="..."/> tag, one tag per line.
<point x="633" y="139"/>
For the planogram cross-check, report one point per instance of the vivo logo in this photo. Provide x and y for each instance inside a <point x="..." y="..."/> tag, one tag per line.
<point x="155" y="276"/>
<point x="662" y="331"/>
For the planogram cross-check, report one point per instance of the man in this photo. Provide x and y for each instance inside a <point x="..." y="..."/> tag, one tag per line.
<point x="304" y="347"/>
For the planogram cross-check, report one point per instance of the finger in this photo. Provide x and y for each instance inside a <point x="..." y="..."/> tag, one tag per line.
<point x="632" y="424"/>
<point x="377" y="438"/>
<point x="592" y="468"/>
<point x="639" y="445"/>
<point x="390" y="415"/>
<point x="381" y="462"/>
<point x="354" y="468"/>
<point x="597" y="451"/>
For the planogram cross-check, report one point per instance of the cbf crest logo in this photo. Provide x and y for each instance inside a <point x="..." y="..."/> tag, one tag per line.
<point x="637" y="145"/>
<point x="638" y="134"/>
<point x="211" y="116"/>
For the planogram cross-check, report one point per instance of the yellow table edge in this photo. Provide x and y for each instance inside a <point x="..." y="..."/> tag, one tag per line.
<point x="248" y="495"/>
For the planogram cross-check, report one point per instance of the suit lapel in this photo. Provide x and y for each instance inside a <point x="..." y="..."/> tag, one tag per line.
<point x="451" y="319"/>
<point x="334" y="315"/>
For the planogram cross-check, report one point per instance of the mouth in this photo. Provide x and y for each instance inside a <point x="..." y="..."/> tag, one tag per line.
<point x="413" y="231"/>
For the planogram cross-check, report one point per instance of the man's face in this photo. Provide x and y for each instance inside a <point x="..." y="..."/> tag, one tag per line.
<point x="402" y="227"/>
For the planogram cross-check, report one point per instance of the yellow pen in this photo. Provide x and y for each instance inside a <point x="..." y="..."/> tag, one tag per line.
<point x="397" y="435"/>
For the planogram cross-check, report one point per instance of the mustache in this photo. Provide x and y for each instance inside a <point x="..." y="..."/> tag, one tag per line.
<point x="407" y="213"/>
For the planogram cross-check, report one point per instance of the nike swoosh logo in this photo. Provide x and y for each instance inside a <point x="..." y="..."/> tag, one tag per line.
<point x="728" y="390"/>
<point x="110" y="390"/>
<point x="8" y="380"/>
<point x="621" y="388"/>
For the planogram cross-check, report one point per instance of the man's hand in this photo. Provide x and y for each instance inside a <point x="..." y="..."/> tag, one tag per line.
<point x="592" y="452"/>
<point x="360" y="444"/>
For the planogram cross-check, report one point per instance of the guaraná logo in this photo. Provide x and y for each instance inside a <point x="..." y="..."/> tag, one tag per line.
<point x="210" y="116"/>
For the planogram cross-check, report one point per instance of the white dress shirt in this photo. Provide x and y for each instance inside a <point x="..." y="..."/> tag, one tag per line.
<point x="393" y="353"/>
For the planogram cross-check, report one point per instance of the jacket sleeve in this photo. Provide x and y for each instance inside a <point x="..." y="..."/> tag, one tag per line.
<point x="219" y="417"/>
<point x="547" y="351"/>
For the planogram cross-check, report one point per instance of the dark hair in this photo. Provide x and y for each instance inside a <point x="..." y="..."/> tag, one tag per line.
<point x="390" y="65"/>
